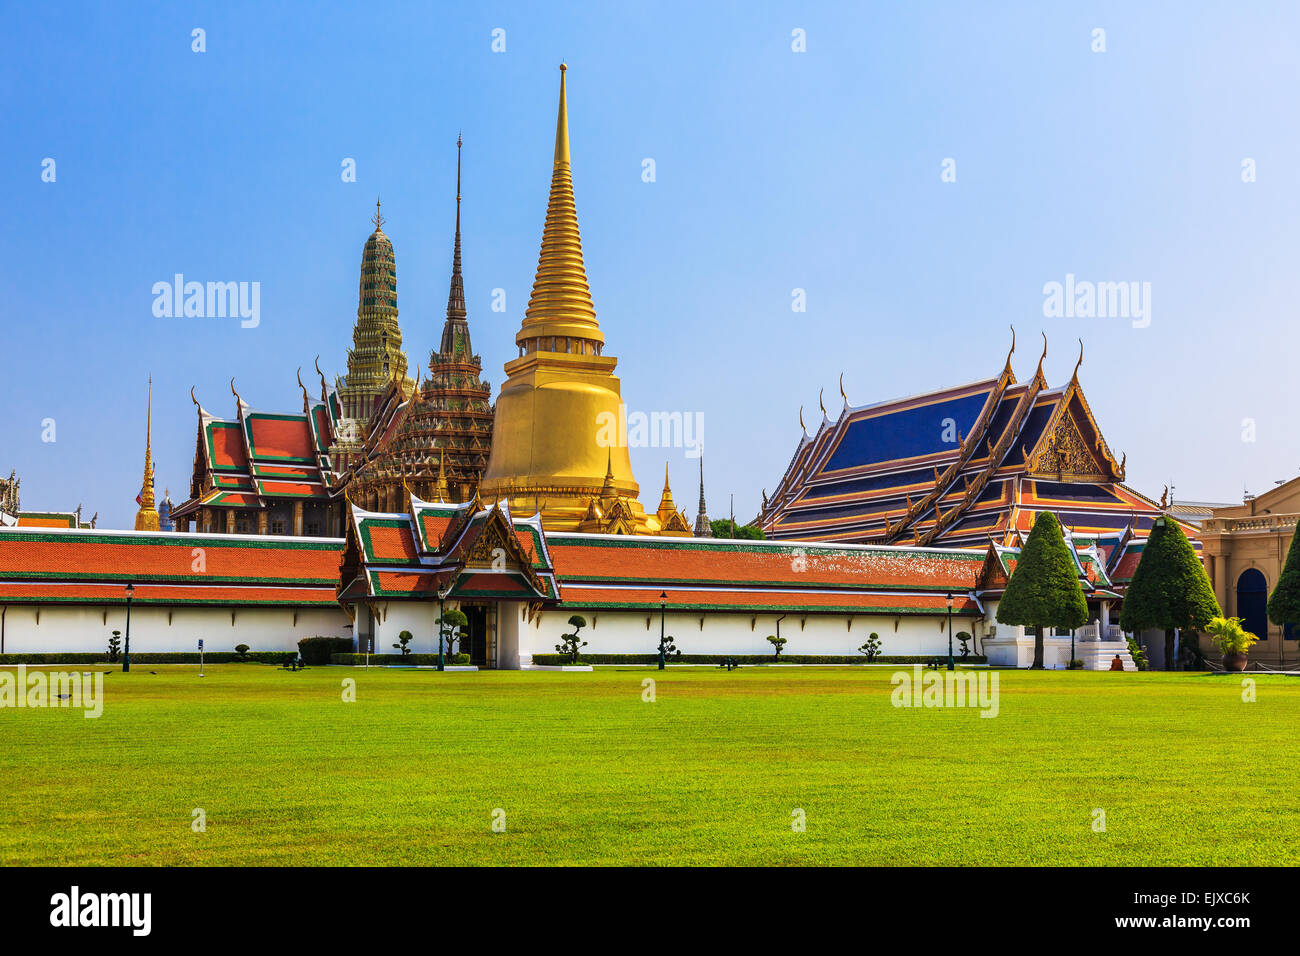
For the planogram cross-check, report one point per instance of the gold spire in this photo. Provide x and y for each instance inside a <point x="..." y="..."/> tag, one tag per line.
<point x="607" y="490"/>
<point x="378" y="219"/>
<point x="667" y="507"/>
<point x="666" y="500"/>
<point x="560" y="304"/>
<point x="146" y="519"/>
<point x="561" y="395"/>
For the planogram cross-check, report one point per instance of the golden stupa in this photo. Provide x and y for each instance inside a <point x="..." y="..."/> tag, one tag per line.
<point x="561" y="394"/>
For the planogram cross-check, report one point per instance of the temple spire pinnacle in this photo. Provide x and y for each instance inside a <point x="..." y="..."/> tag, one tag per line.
<point x="702" y="527"/>
<point x="456" y="296"/>
<point x="146" y="518"/>
<point x="560" y="304"/>
<point x="607" y="490"/>
<point x="562" y="125"/>
<point x="378" y="218"/>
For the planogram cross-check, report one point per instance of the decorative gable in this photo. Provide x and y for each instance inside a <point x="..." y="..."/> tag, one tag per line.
<point x="1063" y="454"/>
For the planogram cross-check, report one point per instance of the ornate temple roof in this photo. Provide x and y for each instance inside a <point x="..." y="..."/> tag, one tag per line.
<point x="437" y="439"/>
<point x="476" y="550"/>
<point x="244" y="461"/>
<point x="958" y="466"/>
<point x="456" y="550"/>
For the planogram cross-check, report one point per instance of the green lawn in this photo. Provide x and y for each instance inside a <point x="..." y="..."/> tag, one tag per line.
<point x="586" y="772"/>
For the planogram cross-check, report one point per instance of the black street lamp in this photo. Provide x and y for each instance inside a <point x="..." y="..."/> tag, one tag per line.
<point x="950" y="661"/>
<point x="126" y="654"/>
<point x="663" y="604"/>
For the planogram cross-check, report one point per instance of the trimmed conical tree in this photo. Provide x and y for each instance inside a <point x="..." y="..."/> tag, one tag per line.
<point x="1170" y="588"/>
<point x="1284" y="602"/>
<point x="1044" y="588"/>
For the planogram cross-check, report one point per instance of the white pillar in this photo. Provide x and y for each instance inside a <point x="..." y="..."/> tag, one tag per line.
<point x="510" y="622"/>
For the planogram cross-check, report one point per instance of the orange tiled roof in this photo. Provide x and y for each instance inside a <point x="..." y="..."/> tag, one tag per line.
<point x="608" y="558"/>
<point x="201" y="561"/>
<point x="280" y="436"/>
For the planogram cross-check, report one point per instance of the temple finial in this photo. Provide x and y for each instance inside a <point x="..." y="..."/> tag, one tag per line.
<point x="1039" y="372"/>
<point x="820" y="393"/>
<point x="456" y="294"/>
<point x="324" y="389"/>
<point x="801" y="424"/>
<point x="378" y="218"/>
<point x="562" y="125"/>
<point x="1075" y="377"/>
<point x="1011" y="351"/>
<point x="842" y="395"/>
<point x="306" y="399"/>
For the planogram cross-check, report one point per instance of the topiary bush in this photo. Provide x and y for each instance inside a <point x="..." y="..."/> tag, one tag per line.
<point x="317" y="650"/>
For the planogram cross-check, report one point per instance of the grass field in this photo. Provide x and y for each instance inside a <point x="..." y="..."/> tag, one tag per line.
<point x="709" y="773"/>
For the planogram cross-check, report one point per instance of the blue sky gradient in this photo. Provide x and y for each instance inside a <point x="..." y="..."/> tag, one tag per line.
<point x="775" y="170"/>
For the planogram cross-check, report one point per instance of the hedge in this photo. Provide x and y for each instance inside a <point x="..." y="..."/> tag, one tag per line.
<point x="151" y="657"/>
<point x="557" y="659"/>
<point x="317" y="650"/>
<point x="410" y="660"/>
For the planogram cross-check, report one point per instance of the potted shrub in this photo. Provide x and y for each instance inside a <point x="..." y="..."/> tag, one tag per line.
<point x="1232" y="639"/>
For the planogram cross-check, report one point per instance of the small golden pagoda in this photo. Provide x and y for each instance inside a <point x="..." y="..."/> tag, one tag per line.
<point x="671" y="521"/>
<point x="561" y="390"/>
<point x="146" y="519"/>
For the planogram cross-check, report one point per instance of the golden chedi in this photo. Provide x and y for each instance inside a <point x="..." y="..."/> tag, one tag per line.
<point x="547" y="455"/>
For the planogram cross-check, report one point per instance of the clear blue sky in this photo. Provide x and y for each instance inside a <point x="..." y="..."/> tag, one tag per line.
<point x="775" y="170"/>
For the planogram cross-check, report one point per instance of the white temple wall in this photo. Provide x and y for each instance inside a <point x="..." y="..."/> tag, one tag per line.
<point x="84" y="629"/>
<point x="627" y="632"/>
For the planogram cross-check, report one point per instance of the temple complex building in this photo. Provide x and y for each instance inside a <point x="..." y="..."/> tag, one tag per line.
<point x="958" y="467"/>
<point x="369" y="438"/>
<point x="438" y="445"/>
<point x="547" y="456"/>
